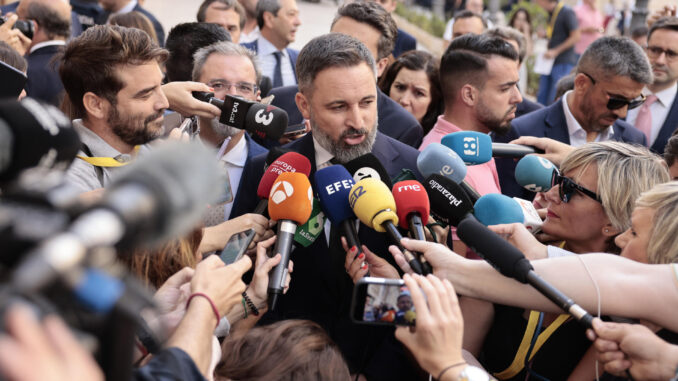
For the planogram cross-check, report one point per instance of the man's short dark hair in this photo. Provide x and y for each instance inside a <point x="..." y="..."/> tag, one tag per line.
<point x="88" y="62"/>
<point x="616" y="56"/>
<point x="328" y="51"/>
<point x="639" y="31"/>
<point x="184" y="40"/>
<point x="225" y="5"/>
<point x="671" y="150"/>
<point x="272" y="6"/>
<point x="664" y="23"/>
<point x="509" y="33"/>
<point x="466" y="14"/>
<point x="373" y="14"/>
<point x="465" y="61"/>
<point x="52" y="22"/>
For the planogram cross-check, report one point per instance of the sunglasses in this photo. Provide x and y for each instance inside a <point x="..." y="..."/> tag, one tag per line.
<point x="615" y="103"/>
<point x="567" y="187"/>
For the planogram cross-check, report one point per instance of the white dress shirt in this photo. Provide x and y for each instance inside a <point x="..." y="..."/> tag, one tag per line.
<point x="575" y="130"/>
<point x="659" y="110"/>
<point x="267" y="61"/>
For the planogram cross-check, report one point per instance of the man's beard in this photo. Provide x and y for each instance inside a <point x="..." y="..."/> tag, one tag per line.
<point x="499" y="125"/>
<point x="340" y="150"/>
<point x="135" y="129"/>
<point x="222" y="130"/>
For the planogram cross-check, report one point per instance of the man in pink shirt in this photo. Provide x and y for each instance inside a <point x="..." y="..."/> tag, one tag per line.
<point x="479" y="75"/>
<point x="591" y="23"/>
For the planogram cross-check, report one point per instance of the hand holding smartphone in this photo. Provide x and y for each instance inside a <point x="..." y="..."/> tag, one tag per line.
<point x="381" y="301"/>
<point x="236" y="246"/>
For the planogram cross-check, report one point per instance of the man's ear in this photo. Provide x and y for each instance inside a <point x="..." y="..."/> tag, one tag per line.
<point x="469" y="95"/>
<point x="268" y="19"/>
<point x="581" y="83"/>
<point x="303" y="105"/>
<point x="95" y="106"/>
<point x="382" y="64"/>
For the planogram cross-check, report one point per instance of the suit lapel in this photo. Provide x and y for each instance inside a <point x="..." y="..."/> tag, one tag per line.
<point x="670" y="125"/>
<point x="556" y="124"/>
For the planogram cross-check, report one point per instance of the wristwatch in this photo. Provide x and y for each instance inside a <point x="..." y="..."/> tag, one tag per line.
<point x="472" y="373"/>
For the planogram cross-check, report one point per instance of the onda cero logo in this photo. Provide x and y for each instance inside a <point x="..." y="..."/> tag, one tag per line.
<point x="280" y="191"/>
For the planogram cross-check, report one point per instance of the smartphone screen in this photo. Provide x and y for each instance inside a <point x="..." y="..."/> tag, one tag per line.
<point x="236" y="246"/>
<point x="382" y="302"/>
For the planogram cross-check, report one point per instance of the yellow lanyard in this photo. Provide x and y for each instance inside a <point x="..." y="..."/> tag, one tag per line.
<point x="554" y="17"/>
<point x="106" y="161"/>
<point x="519" y="361"/>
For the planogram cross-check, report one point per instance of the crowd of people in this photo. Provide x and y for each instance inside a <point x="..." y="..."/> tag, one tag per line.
<point x="605" y="115"/>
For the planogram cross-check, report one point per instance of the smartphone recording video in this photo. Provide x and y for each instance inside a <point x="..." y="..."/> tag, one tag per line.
<point x="383" y="302"/>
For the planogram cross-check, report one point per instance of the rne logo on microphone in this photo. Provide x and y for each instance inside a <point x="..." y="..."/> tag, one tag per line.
<point x="412" y="187"/>
<point x="470" y="145"/>
<point x="280" y="191"/>
<point x="355" y="195"/>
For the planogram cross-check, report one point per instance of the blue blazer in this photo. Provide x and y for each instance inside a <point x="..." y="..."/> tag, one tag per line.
<point x="670" y="125"/>
<point x="548" y="122"/>
<point x="526" y="107"/>
<point x="393" y="119"/>
<point x="320" y="289"/>
<point x="43" y="81"/>
<point x="253" y="150"/>
<point x="404" y="42"/>
<point x="292" y="53"/>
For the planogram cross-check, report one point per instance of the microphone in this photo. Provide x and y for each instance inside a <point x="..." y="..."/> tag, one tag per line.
<point x="536" y="174"/>
<point x="495" y="209"/>
<point x="373" y="204"/>
<point x="34" y="135"/>
<point x="437" y="158"/>
<point x="532" y="221"/>
<point x="412" y="207"/>
<point x="265" y="121"/>
<point x="368" y="166"/>
<point x="274" y="153"/>
<point x="290" y="204"/>
<point x="160" y="196"/>
<point x="449" y="202"/>
<point x="287" y="162"/>
<point x="333" y="185"/>
<point x="477" y="148"/>
<point x="512" y="263"/>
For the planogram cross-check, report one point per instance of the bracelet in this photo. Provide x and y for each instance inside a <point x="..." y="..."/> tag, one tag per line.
<point x="244" y="306"/>
<point x="450" y="367"/>
<point x="214" y="307"/>
<point x="255" y="310"/>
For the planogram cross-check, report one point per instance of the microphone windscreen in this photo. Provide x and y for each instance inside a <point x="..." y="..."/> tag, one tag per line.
<point x="274" y="153"/>
<point x="368" y="166"/>
<point x="373" y="203"/>
<point x="439" y="159"/>
<point x="410" y="197"/>
<point x="472" y="147"/>
<point x="449" y="202"/>
<point x="182" y="177"/>
<point x="288" y="162"/>
<point x="536" y="174"/>
<point x="495" y="209"/>
<point x="495" y="250"/>
<point x="266" y="121"/>
<point x="36" y="135"/>
<point x="291" y="198"/>
<point x="333" y="185"/>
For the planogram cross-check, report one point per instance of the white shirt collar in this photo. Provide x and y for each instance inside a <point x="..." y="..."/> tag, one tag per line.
<point x="46" y="43"/>
<point x="322" y="156"/>
<point x="574" y="129"/>
<point x="266" y="47"/>
<point x="237" y="155"/>
<point x="127" y="8"/>
<point x="666" y="96"/>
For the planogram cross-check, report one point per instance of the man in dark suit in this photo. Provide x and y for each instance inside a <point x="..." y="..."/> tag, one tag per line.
<point x="278" y="21"/>
<point x="52" y="28"/>
<point x="338" y="95"/>
<point x="125" y="6"/>
<point x="658" y="117"/>
<point x="610" y="76"/>
<point x="76" y="26"/>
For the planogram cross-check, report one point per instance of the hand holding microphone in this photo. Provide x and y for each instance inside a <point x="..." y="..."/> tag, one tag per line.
<point x="477" y="148"/>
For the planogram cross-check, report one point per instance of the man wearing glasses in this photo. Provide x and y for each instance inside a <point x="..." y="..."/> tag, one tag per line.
<point x="230" y="69"/>
<point x="609" y="80"/>
<point x="657" y="118"/>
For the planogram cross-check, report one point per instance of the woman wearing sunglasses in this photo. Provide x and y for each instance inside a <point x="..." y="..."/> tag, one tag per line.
<point x="586" y="210"/>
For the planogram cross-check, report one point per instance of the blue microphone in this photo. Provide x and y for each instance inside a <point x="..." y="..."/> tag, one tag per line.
<point x="472" y="147"/>
<point x="536" y="174"/>
<point x="437" y="159"/>
<point x="495" y="209"/>
<point x="333" y="185"/>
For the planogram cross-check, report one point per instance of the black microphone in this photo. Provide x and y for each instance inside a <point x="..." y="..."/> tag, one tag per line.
<point x="512" y="263"/>
<point x="265" y="121"/>
<point x="449" y="202"/>
<point x="159" y="196"/>
<point x="368" y="166"/>
<point x="514" y="151"/>
<point x="34" y="135"/>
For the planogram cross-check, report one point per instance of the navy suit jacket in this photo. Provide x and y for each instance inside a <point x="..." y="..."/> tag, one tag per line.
<point x="43" y="81"/>
<point x="670" y="125"/>
<point x="548" y="122"/>
<point x="292" y="53"/>
<point x="404" y="43"/>
<point x="321" y="290"/>
<point x="76" y="27"/>
<point x="526" y="107"/>
<point x="159" y="31"/>
<point x="253" y="150"/>
<point x="393" y="119"/>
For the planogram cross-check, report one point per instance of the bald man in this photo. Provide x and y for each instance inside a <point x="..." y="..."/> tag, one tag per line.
<point x="52" y="22"/>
